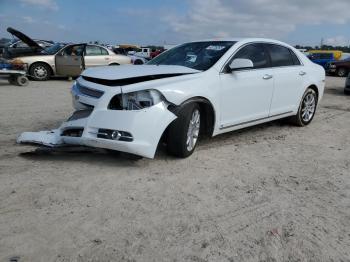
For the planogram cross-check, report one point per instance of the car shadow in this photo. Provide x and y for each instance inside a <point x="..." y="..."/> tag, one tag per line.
<point x="81" y="154"/>
<point x="335" y="91"/>
<point x="91" y="155"/>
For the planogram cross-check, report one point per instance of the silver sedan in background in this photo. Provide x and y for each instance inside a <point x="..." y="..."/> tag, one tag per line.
<point x="69" y="60"/>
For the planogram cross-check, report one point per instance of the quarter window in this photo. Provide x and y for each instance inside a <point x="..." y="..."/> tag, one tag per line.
<point x="280" y="55"/>
<point x="256" y="53"/>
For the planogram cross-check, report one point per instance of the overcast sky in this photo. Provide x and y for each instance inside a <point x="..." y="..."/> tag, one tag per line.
<point x="176" y="21"/>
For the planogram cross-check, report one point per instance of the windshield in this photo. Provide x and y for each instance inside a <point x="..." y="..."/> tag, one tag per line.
<point x="53" y="49"/>
<point x="197" y="55"/>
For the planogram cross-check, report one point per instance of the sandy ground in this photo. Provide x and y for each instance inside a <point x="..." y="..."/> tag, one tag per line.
<point x="269" y="193"/>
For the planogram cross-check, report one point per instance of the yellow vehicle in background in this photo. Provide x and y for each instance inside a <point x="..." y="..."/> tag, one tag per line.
<point x="324" y="57"/>
<point x="336" y="53"/>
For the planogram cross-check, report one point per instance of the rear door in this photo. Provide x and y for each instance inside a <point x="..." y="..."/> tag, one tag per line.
<point x="96" y="56"/>
<point x="70" y="61"/>
<point x="288" y="79"/>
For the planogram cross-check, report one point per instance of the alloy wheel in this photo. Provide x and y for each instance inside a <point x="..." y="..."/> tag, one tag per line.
<point x="193" y="130"/>
<point x="308" y="107"/>
<point x="40" y="72"/>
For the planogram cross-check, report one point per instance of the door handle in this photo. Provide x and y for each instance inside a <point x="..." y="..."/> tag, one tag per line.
<point x="267" y="76"/>
<point x="106" y="58"/>
<point x="302" y="73"/>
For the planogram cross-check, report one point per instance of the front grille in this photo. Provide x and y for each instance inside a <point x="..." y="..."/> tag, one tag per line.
<point x="80" y="114"/>
<point x="89" y="91"/>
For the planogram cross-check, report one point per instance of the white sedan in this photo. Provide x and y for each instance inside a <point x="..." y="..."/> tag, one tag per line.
<point x="194" y="89"/>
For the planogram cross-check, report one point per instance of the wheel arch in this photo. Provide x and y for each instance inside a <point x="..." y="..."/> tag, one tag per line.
<point x="208" y="113"/>
<point x="315" y="88"/>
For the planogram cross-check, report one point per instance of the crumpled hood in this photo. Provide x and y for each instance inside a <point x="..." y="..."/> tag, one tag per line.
<point x="136" y="71"/>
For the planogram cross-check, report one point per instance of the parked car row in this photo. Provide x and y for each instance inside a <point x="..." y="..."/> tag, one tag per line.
<point x="331" y="61"/>
<point x="44" y="59"/>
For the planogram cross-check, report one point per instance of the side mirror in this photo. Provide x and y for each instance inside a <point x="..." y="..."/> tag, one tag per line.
<point x="240" y="63"/>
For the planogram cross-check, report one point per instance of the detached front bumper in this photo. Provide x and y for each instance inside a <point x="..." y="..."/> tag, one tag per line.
<point x="135" y="131"/>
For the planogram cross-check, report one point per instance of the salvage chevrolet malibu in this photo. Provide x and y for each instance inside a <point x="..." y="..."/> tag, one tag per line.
<point x="194" y="89"/>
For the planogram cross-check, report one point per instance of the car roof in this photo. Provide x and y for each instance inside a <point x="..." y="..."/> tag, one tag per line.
<point x="242" y="40"/>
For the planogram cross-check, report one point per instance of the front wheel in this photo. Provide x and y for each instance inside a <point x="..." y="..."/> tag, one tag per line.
<point x="184" y="131"/>
<point x="307" y="108"/>
<point x="40" y="71"/>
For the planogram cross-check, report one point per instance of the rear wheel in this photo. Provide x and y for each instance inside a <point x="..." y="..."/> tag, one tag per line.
<point x="40" y="71"/>
<point x="342" y="72"/>
<point x="138" y="62"/>
<point x="307" y="108"/>
<point x="184" y="131"/>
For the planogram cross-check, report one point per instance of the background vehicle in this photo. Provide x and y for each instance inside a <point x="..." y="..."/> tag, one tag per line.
<point x="322" y="59"/>
<point x="69" y="60"/>
<point x="143" y="52"/>
<point x="347" y="85"/>
<point x="131" y="51"/>
<point x="24" y="45"/>
<point x="337" y="55"/>
<point x="3" y="43"/>
<point x="340" y="68"/>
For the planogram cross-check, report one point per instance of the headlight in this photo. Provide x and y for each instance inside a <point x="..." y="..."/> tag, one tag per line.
<point x="136" y="100"/>
<point x="332" y="66"/>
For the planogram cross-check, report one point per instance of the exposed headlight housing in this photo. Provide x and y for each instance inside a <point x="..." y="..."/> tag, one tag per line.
<point x="136" y="100"/>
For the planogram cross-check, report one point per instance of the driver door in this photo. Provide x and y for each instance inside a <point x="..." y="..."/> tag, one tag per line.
<point x="246" y="93"/>
<point x="70" y="61"/>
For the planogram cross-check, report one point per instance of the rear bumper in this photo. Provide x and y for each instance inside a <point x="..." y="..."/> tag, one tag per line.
<point x="145" y="126"/>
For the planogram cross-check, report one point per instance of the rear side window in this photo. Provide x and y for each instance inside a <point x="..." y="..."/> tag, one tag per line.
<point x="92" y="50"/>
<point x="280" y="55"/>
<point x="256" y="53"/>
<point x="104" y="51"/>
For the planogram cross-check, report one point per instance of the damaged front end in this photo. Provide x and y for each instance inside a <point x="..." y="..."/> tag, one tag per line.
<point x="106" y="117"/>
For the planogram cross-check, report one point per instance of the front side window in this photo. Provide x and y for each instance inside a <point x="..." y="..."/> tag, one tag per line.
<point x="196" y="55"/>
<point x="75" y="50"/>
<point x="254" y="52"/>
<point x="280" y="55"/>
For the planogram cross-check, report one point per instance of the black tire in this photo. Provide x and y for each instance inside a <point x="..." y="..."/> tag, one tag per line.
<point x="114" y="64"/>
<point x="40" y="71"/>
<point x="138" y="62"/>
<point x="298" y="119"/>
<point x="22" y="80"/>
<point x="346" y="92"/>
<point x="342" y="72"/>
<point x="12" y="80"/>
<point x="178" y="132"/>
